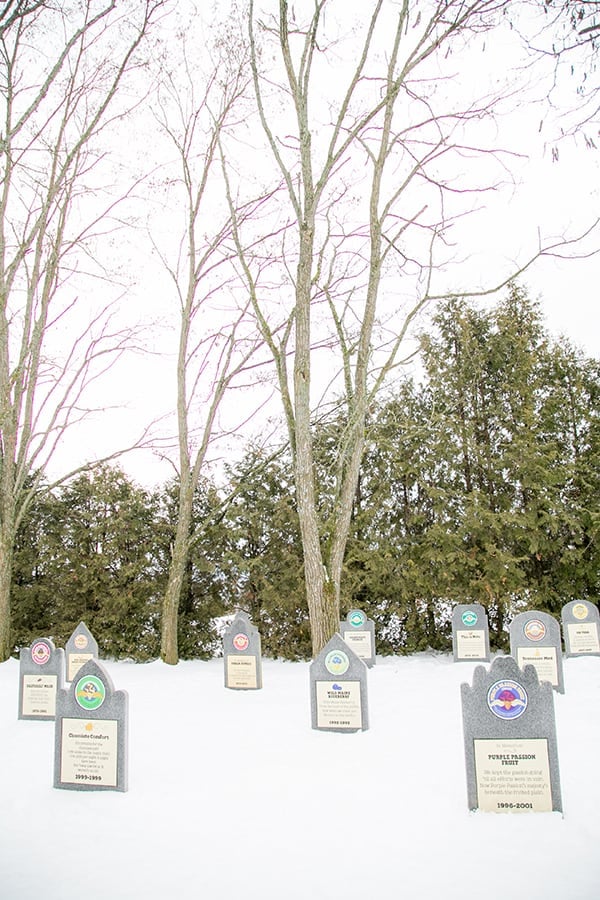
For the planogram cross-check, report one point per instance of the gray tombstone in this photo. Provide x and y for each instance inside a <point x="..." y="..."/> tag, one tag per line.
<point x="581" y="631"/>
<point x="470" y="633"/>
<point x="41" y="676"/>
<point x="510" y="740"/>
<point x="359" y="633"/>
<point x="535" y="640"/>
<point x="338" y="689"/>
<point x="242" y="655"/>
<point x="80" y="648"/>
<point x="91" y="733"/>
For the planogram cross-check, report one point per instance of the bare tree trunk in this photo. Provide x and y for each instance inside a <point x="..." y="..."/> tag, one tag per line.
<point x="169" y="650"/>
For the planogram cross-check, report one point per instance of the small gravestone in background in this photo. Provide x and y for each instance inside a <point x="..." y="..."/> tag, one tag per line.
<point x="90" y="738"/>
<point x="80" y="648"/>
<point x="535" y="640"/>
<point x="510" y="740"/>
<point x="242" y="654"/>
<point x="470" y="633"/>
<point x="580" y="622"/>
<point x="41" y="676"/>
<point x="338" y="689"/>
<point x="359" y="633"/>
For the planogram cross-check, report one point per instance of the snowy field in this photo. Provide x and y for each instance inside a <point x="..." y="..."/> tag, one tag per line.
<point x="232" y="794"/>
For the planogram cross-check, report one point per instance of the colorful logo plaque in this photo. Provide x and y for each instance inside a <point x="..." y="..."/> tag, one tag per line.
<point x="535" y="630"/>
<point x="507" y="699"/>
<point x="337" y="662"/>
<point x="40" y="653"/>
<point x="241" y="641"/>
<point x="469" y="618"/>
<point x="357" y="619"/>
<point x="580" y="611"/>
<point x="90" y="692"/>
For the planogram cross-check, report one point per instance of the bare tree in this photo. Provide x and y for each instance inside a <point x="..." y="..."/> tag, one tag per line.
<point x="61" y="68"/>
<point x="371" y="129"/>
<point x="200" y="104"/>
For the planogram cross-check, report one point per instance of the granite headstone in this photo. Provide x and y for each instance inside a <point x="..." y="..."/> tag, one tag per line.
<point x="80" y="647"/>
<point x="470" y="633"/>
<point x="535" y="640"/>
<point x="509" y="729"/>
<point x="358" y="632"/>
<point x="581" y="627"/>
<point x="338" y="689"/>
<point x="242" y="654"/>
<point x="41" y="676"/>
<point x="91" y="733"/>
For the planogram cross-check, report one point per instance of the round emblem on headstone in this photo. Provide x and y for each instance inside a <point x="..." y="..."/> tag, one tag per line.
<point x="337" y="662"/>
<point x="469" y="618"/>
<point x="90" y="692"/>
<point x="80" y="641"/>
<point x="507" y="699"/>
<point x="240" y="641"/>
<point x="40" y="653"/>
<point x="357" y="618"/>
<point x="535" y="630"/>
<point x="580" y="611"/>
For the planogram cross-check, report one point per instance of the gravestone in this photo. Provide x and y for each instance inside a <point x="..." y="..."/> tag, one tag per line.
<point x="510" y="740"/>
<point x="359" y="633"/>
<point x="580" y="623"/>
<point x="91" y="733"/>
<point x="470" y="633"/>
<point x="338" y="689"/>
<point x="535" y="640"/>
<point x="41" y="676"/>
<point x="242" y="655"/>
<point x="81" y="647"/>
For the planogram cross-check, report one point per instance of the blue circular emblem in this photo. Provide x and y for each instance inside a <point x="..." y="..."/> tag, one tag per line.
<point x="469" y="618"/>
<point x="507" y="699"/>
<point x="337" y="662"/>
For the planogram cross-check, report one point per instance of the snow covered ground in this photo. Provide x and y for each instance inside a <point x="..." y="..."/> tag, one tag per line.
<point x="232" y="794"/>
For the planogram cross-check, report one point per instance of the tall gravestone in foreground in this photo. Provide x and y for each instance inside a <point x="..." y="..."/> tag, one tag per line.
<point x="90" y="738"/>
<point x="470" y="633"/>
<point x="41" y="676"/>
<point x="510" y="740"/>
<point x="80" y="648"/>
<point x="581" y="626"/>
<point x="338" y="689"/>
<point x="242" y="654"/>
<point x="358" y="632"/>
<point x="535" y="640"/>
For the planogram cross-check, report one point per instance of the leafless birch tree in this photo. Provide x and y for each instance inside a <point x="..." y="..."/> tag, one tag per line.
<point x="61" y="69"/>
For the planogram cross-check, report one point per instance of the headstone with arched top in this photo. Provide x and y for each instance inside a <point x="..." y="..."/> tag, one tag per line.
<point x="470" y="633"/>
<point x="242" y="654"/>
<point x="91" y="733"/>
<point x="581" y="628"/>
<point x="358" y="632"/>
<point x="535" y="641"/>
<point x="41" y="676"/>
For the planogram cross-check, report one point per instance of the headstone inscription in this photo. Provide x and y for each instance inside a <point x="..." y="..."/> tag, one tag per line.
<point x="470" y="633"/>
<point x="242" y="654"/>
<point x="338" y="689"/>
<point x="580" y="623"/>
<point x="80" y="647"/>
<point x="535" y="640"/>
<point x="358" y="632"/>
<point x="91" y="733"/>
<point x="510" y="740"/>
<point x="41" y="676"/>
